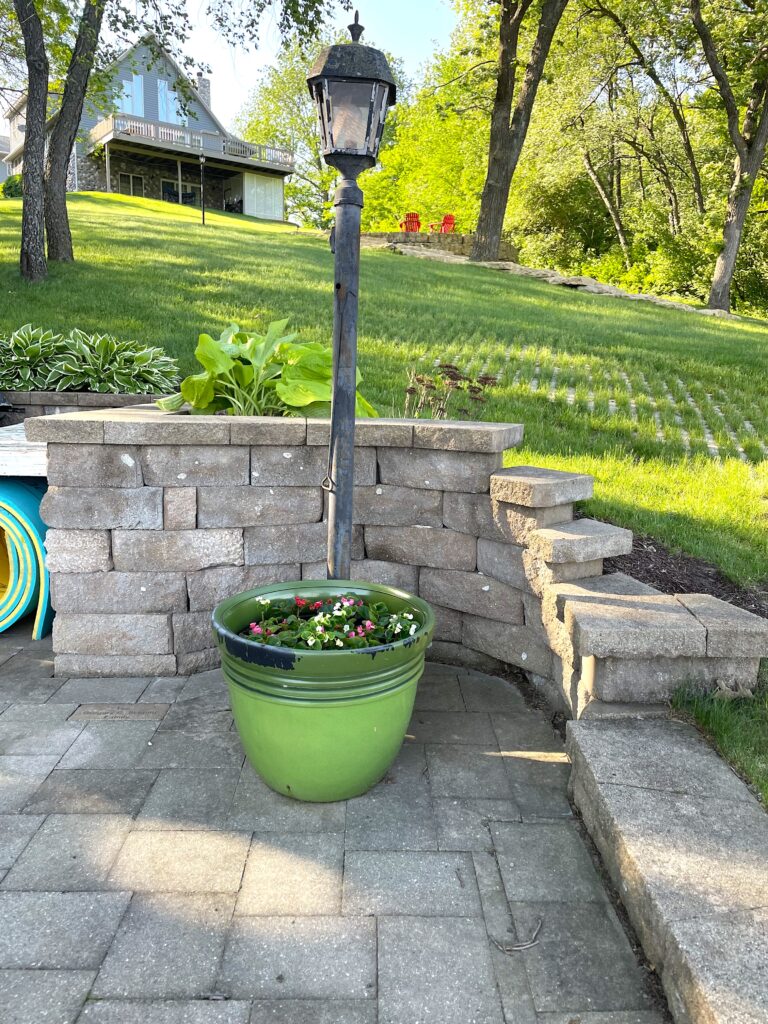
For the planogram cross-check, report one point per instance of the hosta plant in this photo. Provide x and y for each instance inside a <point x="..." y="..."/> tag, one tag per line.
<point x="249" y="374"/>
<point x="37" y="360"/>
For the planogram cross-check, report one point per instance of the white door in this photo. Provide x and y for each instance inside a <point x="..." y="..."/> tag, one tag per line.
<point x="263" y="196"/>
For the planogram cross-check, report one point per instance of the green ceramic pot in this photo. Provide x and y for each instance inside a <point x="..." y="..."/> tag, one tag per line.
<point x="321" y="725"/>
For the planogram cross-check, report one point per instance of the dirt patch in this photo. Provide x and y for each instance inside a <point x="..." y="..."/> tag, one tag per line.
<point x="652" y="563"/>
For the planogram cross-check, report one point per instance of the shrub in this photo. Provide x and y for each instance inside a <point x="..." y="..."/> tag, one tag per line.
<point x="11" y="187"/>
<point x="247" y="374"/>
<point x="39" y="360"/>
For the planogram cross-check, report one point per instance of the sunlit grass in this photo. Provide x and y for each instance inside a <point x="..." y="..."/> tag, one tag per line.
<point x="600" y="384"/>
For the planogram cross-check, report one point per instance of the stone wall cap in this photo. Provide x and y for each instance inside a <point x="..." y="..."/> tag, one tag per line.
<point x="642" y="626"/>
<point x="581" y="541"/>
<point x="535" y="487"/>
<point x="466" y="435"/>
<point x="731" y="632"/>
<point x="597" y="588"/>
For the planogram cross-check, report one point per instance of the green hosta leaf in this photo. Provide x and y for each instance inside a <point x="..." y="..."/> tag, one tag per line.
<point x="363" y="407"/>
<point x="211" y="356"/>
<point x="303" y="392"/>
<point x="198" y="390"/>
<point x="171" y="403"/>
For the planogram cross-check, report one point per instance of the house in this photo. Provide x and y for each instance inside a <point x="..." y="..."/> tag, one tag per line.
<point x="147" y="142"/>
<point x="5" y="148"/>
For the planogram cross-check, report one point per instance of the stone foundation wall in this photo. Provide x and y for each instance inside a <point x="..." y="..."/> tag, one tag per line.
<point x="452" y="242"/>
<point x="155" y="517"/>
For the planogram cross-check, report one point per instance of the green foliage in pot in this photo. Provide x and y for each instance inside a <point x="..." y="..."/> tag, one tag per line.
<point x="37" y="360"/>
<point x="248" y="374"/>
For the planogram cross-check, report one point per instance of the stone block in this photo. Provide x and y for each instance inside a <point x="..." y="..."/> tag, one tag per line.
<point x="462" y="436"/>
<point x="542" y="574"/>
<point x="112" y="634"/>
<point x="93" y="465"/>
<point x="540" y="488"/>
<point x="16" y="830"/>
<point x="447" y="624"/>
<point x="444" y="653"/>
<point x="715" y="967"/>
<point x="273" y="430"/>
<point x="378" y="432"/>
<point x="731" y="632"/>
<point x="422" y="545"/>
<point x="585" y="540"/>
<point x="397" y="814"/>
<point x="258" y="506"/>
<point x="482" y="692"/>
<point x="436" y="971"/>
<point x="530" y="859"/>
<point x="390" y="574"/>
<point x="652" y="679"/>
<point x="389" y="505"/>
<point x="104" y="694"/>
<point x="71" y="428"/>
<point x="464" y="770"/>
<point x="180" y="509"/>
<point x="176" y="550"/>
<point x="532" y="612"/>
<point x="20" y="777"/>
<point x="605" y="589"/>
<point x="293" y="874"/>
<point x="193" y="465"/>
<point x="303" y="466"/>
<point x="267" y="545"/>
<point x="472" y="592"/>
<point x="304" y="958"/>
<point x="453" y="728"/>
<point x="496" y="520"/>
<point x="463" y="823"/>
<point x="94" y="508"/>
<point x="384" y="882"/>
<point x="153" y="427"/>
<point x="257" y="808"/>
<point x="192" y="632"/>
<point x="167" y="947"/>
<point x="78" y="930"/>
<point x="198" y="661"/>
<point x="189" y="799"/>
<point x="503" y="562"/>
<point x="111" y="593"/>
<point x="88" y="665"/>
<point x="181" y="862"/>
<point x="35" y="995"/>
<point x="209" y="586"/>
<point x="185" y="1011"/>
<point x="438" y="470"/>
<point x="513" y="645"/>
<point x="635" y="627"/>
<point x="77" y="551"/>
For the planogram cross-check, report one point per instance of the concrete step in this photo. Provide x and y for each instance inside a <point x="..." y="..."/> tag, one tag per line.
<point x="643" y="626"/>
<point x="584" y="540"/>
<point x="539" y="488"/>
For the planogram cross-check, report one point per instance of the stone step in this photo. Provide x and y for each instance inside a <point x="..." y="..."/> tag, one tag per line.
<point x="584" y="540"/>
<point x="596" y="588"/>
<point x="731" y="632"/>
<point x="534" y="487"/>
<point x="654" y="679"/>
<point x="642" y="626"/>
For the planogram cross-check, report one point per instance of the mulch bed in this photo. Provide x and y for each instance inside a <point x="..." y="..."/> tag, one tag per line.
<point x="670" y="573"/>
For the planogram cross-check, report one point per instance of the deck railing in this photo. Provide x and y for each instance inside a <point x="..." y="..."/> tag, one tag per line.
<point x="196" y="140"/>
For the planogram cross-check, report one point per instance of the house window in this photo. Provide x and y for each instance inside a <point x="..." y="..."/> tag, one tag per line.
<point x="168" y="109"/>
<point x="131" y="184"/>
<point x="131" y="97"/>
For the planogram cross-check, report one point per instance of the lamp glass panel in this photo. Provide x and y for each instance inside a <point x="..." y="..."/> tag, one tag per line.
<point x="378" y="113"/>
<point x="350" y="109"/>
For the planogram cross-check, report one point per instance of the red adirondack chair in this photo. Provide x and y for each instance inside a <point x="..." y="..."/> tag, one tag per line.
<point x="412" y="222"/>
<point x="446" y="226"/>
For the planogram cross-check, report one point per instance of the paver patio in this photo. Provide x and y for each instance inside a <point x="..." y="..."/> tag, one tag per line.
<point x="147" y="875"/>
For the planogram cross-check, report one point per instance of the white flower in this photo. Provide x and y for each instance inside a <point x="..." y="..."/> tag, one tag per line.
<point x="413" y="629"/>
<point x="310" y="640"/>
<point x="398" y="627"/>
<point x="407" y="615"/>
<point x="337" y="608"/>
<point x="339" y="643"/>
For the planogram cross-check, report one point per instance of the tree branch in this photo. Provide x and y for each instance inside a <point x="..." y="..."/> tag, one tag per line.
<point x="720" y="76"/>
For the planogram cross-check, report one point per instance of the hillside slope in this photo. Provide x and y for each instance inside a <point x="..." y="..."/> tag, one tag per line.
<point x="668" y="410"/>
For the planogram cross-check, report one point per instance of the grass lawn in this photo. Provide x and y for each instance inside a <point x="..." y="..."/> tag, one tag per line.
<point x="668" y="410"/>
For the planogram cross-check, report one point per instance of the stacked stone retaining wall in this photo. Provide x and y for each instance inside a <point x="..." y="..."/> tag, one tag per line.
<point x="452" y="242"/>
<point x="44" y="403"/>
<point x="155" y="517"/>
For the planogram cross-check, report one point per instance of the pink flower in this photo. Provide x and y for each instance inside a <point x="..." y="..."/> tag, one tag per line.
<point x="368" y="624"/>
<point x="359" y="604"/>
<point x="316" y="605"/>
<point x="321" y="629"/>
<point x="360" y="631"/>
<point x="351" y="636"/>
<point x="255" y="628"/>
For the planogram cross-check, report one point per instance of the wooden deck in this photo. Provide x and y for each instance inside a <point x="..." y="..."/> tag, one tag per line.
<point x="20" y="457"/>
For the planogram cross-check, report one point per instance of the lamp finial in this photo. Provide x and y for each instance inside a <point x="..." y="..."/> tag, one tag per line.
<point x="356" y="29"/>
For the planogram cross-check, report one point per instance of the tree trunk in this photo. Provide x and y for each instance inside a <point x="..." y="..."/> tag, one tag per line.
<point x="508" y="137"/>
<point x="739" y="199"/>
<point x="32" y="260"/>
<point x="65" y="130"/>
<point x="609" y="205"/>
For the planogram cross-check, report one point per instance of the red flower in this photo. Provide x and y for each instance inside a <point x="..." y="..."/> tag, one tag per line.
<point x="300" y="602"/>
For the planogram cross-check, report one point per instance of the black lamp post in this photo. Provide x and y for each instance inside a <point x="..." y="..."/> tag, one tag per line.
<point x="202" y="186"/>
<point x="353" y="87"/>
